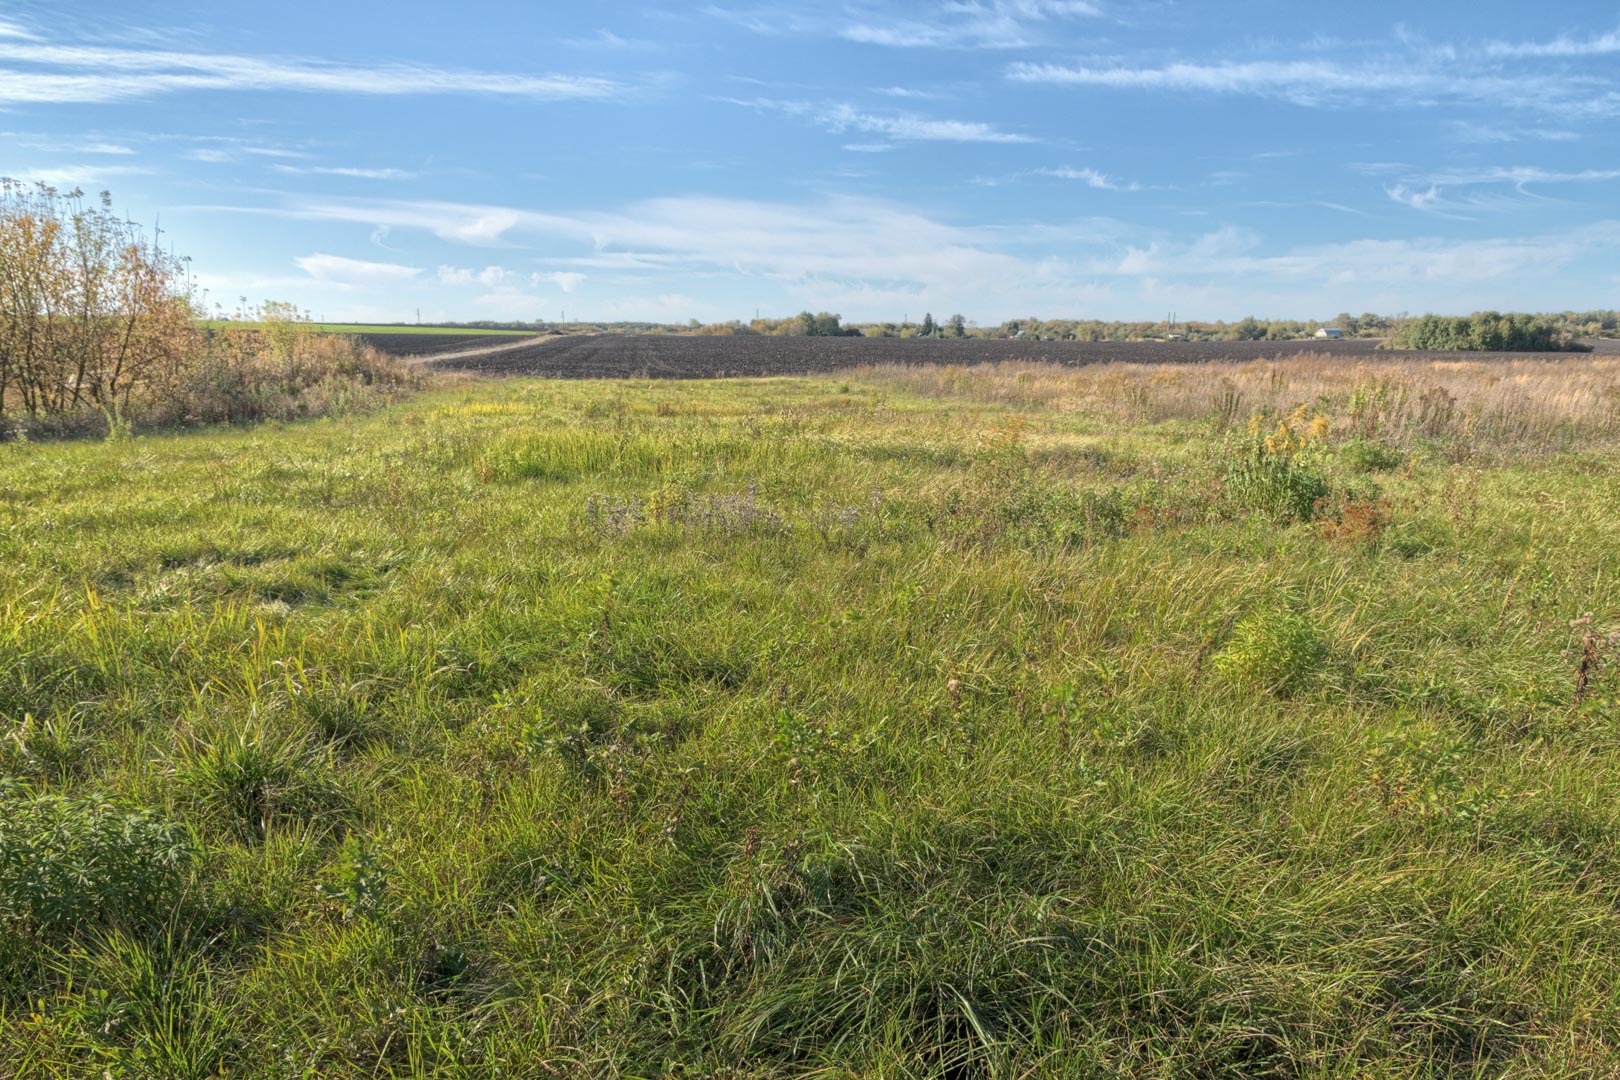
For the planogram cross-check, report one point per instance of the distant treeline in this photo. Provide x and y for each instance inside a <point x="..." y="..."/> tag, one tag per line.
<point x="1487" y="331"/>
<point x="1524" y="332"/>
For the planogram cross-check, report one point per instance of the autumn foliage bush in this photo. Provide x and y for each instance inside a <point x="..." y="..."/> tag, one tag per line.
<point x="99" y="330"/>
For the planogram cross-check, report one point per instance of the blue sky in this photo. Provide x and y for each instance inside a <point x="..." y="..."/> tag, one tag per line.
<point x="998" y="158"/>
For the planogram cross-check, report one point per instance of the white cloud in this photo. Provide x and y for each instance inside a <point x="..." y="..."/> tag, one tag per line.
<point x="88" y="177"/>
<point x="1602" y="45"/>
<point x="343" y="273"/>
<point x="841" y="118"/>
<point x="1365" y="262"/>
<point x="1417" y="200"/>
<point x="9" y="29"/>
<point x="909" y="93"/>
<point x="99" y="74"/>
<point x="1466" y="131"/>
<point x="565" y="280"/>
<point x="607" y="39"/>
<point x="489" y="277"/>
<point x="952" y="24"/>
<point x="1304" y="81"/>
<point x="1427" y="191"/>
<point x="1318" y="82"/>
<point x="362" y="174"/>
<point x="88" y="144"/>
<point x="875" y="258"/>
<point x="273" y="152"/>
<point x="1090" y="177"/>
<point x="1521" y="175"/>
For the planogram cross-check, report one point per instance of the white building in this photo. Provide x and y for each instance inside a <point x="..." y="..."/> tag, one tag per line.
<point x="1330" y="332"/>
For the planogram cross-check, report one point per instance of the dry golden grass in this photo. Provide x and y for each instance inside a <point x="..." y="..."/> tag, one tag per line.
<point x="1522" y="404"/>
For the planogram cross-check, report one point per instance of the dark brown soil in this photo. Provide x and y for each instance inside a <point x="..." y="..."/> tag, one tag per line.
<point x="670" y="356"/>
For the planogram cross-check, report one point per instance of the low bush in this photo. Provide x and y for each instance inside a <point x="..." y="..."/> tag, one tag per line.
<point x="1280" y="652"/>
<point x="1361" y="455"/>
<point x="280" y="369"/>
<point x="74" y="866"/>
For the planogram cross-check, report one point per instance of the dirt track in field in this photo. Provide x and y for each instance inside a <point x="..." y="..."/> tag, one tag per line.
<point x="670" y="356"/>
<point x="442" y="346"/>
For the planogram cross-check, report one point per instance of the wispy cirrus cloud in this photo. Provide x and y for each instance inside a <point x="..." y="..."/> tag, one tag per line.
<point x="345" y="171"/>
<point x="607" y="39"/>
<point x="83" y="145"/>
<point x="1521" y="176"/>
<point x="1566" y="47"/>
<point x="344" y="273"/>
<point x="909" y="93"/>
<point x="88" y="177"/>
<point x="95" y="74"/>
<point x="1330" y="82"/>
<point x="1427" y="191"/>
<point x="842" y="118"/>
<point x="1092" y="178"/>
<point x="1469" y="132"/>
<point x="930" y="24"/>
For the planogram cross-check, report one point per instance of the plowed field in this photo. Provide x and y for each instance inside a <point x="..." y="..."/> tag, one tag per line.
<point x="692" y="357"/>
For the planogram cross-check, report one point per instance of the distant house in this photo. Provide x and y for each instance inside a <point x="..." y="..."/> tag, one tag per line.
<point x="1330" y="332"/>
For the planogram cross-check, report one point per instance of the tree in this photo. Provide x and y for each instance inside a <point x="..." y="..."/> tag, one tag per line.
<point x="1250" y="329"/>
<point x="91" y="309"/>
<point x="827" y="325"/>
<point x="929" y="327"/>
<point x="957" y="326"/>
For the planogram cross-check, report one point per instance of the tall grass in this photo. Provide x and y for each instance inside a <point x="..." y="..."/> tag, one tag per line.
<point x="1550" y="405"/>
<point x="909" y="724"/>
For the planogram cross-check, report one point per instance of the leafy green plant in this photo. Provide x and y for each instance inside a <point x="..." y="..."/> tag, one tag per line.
<point x="1364" y="455"/>
<point x="359" y="881"/>
<point x="72" y="865"/>
<point x="1277" y="651"/>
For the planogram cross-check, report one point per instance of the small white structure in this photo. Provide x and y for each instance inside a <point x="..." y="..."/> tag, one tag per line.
<point x="1330" y="332"/>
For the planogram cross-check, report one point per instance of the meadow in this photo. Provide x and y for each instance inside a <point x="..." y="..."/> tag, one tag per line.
<point x="1167" y="720"/>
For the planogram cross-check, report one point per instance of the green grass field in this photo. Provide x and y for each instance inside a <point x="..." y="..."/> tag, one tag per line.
<point x="946" y="724"/>
<point x="363" y="328"/>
